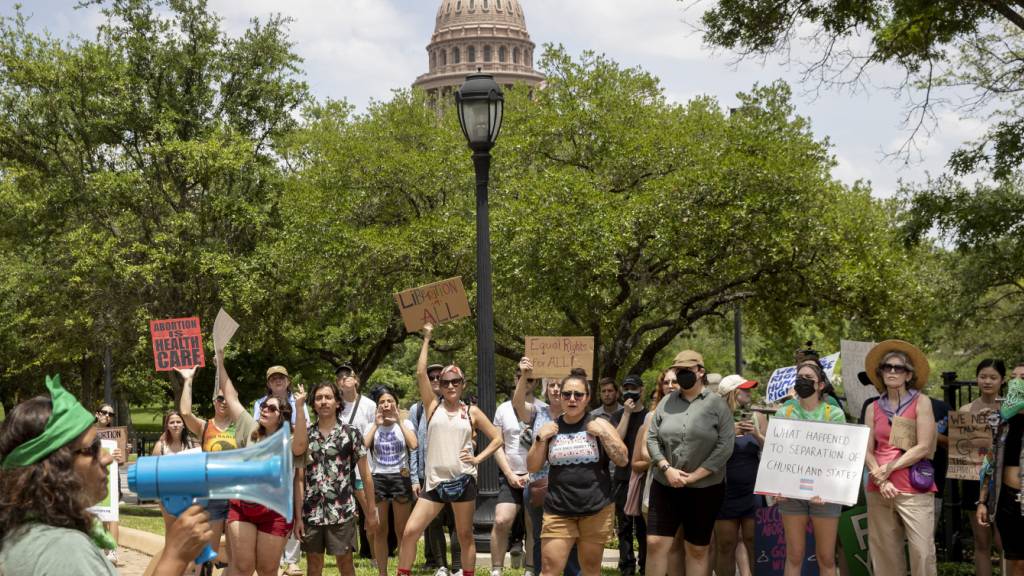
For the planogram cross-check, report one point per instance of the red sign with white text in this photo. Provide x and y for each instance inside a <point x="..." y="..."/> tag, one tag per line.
<point x="177" y="343"/>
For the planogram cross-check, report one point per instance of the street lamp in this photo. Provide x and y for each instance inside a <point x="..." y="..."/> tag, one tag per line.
<point x="480" y="104"/>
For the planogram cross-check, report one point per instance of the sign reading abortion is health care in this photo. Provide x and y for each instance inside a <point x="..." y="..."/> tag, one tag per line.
<point x="556" y="356"/>
<point x="436" y="303"/>
<point x="806" y="458"/>
<point x="177" y="343"/>
<point x="783" y="379"/>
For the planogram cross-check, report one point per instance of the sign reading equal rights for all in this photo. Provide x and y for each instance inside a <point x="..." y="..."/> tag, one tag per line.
<point x="806" y="458"/>
<point x="556" y="356"/>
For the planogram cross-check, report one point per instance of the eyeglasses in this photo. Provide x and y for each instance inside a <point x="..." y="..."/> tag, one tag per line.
<point x="567" y="394"/>
<point x="219" y="398"/>
<point x="270" y="408"/>
<point x="451" y="383"/>
<point x="106" y="413"/>
<point x="92" y="450"/>
<point x="894" y="368"/>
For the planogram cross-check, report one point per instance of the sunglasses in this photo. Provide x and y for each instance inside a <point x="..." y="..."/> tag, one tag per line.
<point x="269" y="408"/>
<point x="92" y="450"/>
<point x="219" y="399"/>
<point x="567" y="394"/>
<point x="106" y="413"/>
<point x="451" y="383"/>
<point x="894" y="368"/>
<point x="435" y="377"/>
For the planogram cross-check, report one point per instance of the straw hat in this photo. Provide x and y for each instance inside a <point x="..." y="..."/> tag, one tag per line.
<point x="917" y="358"/>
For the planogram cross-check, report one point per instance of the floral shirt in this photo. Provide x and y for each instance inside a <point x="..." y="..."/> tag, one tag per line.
<point x="330" y="470"/>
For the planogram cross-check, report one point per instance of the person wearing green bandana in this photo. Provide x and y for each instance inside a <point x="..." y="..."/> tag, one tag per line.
<point x="51" y="471"/>
<point x="1000" y="501"/>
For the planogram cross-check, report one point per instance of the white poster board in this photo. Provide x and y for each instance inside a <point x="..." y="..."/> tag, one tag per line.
<point x="107" y="509"/>
<point x="857" y="394"/>
<point x="806" y="458"/>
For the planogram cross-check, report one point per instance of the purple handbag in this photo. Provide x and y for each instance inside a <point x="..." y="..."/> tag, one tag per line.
<point x="922" y="475"/>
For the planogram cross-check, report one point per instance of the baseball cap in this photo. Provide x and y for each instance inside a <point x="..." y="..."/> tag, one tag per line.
<point x="734" y="381"/>
<point x="688" y="359"/>
<point x="633" y="381"/>
<point x="344" y="366"/>
<point x="277" y="370"/>
<point x="433" y="367"/>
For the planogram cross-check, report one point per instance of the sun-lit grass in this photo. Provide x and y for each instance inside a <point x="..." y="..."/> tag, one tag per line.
<point x="148" y="418"/>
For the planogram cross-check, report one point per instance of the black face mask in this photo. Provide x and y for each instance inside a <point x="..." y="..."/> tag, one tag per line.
<point x="686" y="378"/>
<point x="631" y="395"/>
<point x="805" y="388"/>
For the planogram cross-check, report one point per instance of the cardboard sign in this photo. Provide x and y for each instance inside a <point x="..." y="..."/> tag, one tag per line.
<point x="853" y="533"/>
<point x="107" y="509"/>
<point x="853" y="354"/>
<point x="224" y="328"/>
<point x="436" y="303"/>
<point x="118" y="434"/>
<point x="556" y="356"/>
<point x="970" y="440"/>
<point x="807" y="458"/>
<point x="770" y="545"/>
<point x="177" y="343"/>
<point x="783" y="379"/>
<point x="904" y="433"/>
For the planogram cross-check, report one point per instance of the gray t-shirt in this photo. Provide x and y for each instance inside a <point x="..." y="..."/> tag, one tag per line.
<point x="43" y="550"/>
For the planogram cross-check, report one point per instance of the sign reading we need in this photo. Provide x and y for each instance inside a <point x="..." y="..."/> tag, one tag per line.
<point x="436" y="303"/>
<point x="556" y="356"/>
<point x="177" y="343"/>
<point x="806" y="458"/>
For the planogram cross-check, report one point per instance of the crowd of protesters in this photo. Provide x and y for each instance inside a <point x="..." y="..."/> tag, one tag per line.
<point x="672" y="478"/>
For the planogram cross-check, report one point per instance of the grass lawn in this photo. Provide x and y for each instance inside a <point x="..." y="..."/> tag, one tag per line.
<point x="149" y="418"/>
<point x="150" y="520"/>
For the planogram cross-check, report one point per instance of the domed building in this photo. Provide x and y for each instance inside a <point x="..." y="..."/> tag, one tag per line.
<point x="486" y="34"/>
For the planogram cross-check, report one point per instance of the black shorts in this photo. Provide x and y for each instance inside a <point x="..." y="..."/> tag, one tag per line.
<point x="1010" y="523"/>
<point x="507" y="494"/>
<point x="695" y="509"/>
<point x="468" y="495"/>
<point x="392" y="487"/>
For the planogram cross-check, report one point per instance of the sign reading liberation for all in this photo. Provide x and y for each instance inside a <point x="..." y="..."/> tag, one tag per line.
<point x="556" y="356"/>
<point x="177" y="343"/>
<point x="436" y="303"/>
<point x="806" y="458"/>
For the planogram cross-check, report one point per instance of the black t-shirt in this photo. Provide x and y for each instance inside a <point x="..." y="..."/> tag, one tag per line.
<point x="579" y="483"/>
<point x="1011" y="453"/>
<point x="636" y="421"/>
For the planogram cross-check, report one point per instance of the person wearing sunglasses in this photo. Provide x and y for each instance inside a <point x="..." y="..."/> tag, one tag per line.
<point x="105" y="419"/>
<point x="52" y="469"/>
<point x="690" y="440"/>
<point x="900" y="504"/>
<point x="451" y="466"/>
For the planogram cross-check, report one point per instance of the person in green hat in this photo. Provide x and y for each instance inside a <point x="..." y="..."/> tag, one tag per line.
<point x="52" y="470"/>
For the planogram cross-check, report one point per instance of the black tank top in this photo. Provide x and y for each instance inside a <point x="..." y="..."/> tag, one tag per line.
<point x="1013" y="439"/>
<point x="579" y="483"/>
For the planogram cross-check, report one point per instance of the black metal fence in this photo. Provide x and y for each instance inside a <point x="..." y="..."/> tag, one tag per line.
<point x="954" y="530"/>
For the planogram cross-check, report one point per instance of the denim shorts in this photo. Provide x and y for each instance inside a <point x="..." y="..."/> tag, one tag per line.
<point x="794" y="507"/>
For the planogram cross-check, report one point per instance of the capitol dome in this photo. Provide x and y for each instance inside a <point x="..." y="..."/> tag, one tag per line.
<point x="486" y="34"/>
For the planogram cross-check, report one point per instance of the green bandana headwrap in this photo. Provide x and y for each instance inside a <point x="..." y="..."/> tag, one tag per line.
<point x="1014" y="401"/>
<point x="67" y="422"/>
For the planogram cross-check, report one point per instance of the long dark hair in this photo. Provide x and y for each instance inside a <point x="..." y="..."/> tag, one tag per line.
<point x="284" y="412"/>
<point x="186" y="437"/>
<point x="48" y="491"/>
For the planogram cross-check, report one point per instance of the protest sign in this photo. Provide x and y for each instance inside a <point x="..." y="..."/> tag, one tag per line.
<point x="970" y="440"/>
<point x="770" y="545"/>
<point x="556" y="356"/>
<point x="853" y="353"/>
<point x="782" y="379"/>
<point x="107" y="509"/>
<point x="118" y="434"/>
<point x="224" y="328"/>
<point x="436" y="303"/>
<point x="806" y="458"/>
<point x="177" y="343"/>
<point x="853" y="534"/>
<point x="903" y="434"/>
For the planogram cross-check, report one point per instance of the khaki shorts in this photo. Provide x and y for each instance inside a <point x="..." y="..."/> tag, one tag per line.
<point x="594" y="529"/>
<point x="336" y="539"/>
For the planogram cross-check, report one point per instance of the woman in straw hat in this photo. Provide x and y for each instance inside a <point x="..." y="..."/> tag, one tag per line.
<point x="900" y="488"/>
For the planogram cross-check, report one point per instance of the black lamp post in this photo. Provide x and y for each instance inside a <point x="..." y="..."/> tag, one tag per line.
<point x="480" y="103"/>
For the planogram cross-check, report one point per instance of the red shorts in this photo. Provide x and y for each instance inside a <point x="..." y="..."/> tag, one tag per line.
<point x="265" y="519"/>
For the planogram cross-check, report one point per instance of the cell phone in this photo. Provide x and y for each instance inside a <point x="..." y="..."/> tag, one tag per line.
<point x="741" y="414"/>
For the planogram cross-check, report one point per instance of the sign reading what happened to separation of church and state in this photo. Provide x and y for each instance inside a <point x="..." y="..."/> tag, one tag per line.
<point x="556" y="356"/>
<point x="177" y="343"/>
<point x="436" y="303"/>
<point x="802" y="459"/>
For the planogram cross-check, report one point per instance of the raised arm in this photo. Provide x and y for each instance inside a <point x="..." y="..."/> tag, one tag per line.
<point x="523" y="410"/>
<point x="192" y="422"/>
<point x="422" y="379"/>
<point x="227" y="388"/>
<point x="300" y="440"/>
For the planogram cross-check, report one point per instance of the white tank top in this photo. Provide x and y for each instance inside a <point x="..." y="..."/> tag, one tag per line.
<point x="448" y="433"/>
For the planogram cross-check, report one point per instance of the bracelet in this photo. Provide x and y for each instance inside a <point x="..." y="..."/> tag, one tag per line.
<point x="664" y="467"/>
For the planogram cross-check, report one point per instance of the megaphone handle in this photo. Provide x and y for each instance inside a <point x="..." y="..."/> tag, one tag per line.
<point x="175" y="505"/>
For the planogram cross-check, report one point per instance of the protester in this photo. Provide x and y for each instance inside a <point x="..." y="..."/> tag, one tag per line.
<point x="511" y="459"/>
<point x="257" y="534"/>
<point x="900" y="503"/>
<point x="628" y="421"/>
<point x="52" y="469"/>
<point x="578" y="508"/>
<point x="609" y="395"/>
<point x="174" y="439"/>
<point x="735" y="523"/>
<point x="1018" y="371"/>
<point x="451" y="466"/>
<point x="1002" y="503"/>
<point x="810" y="404"/>
<point x="359" y="411"/>
<point x="389" y="440"/>
<point x="105" y="419"/>
<point x="324" y="487"/>
<point x="990" y="375"/>
<point x="690" y="440"/>
<point x="537" y="416"/>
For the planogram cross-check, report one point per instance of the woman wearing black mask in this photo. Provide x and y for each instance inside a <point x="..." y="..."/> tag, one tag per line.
<point x="690" y="440"/>
<point x="810" y="404"/>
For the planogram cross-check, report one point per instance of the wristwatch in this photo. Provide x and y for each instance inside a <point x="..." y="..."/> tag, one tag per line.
<point x="664" y="466"/>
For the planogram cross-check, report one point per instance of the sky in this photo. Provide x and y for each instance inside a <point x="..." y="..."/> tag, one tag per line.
<point x="360" y="50"/>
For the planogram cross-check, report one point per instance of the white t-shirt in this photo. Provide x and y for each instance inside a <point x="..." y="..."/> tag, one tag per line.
<point x="389" y="453"/>
<point x="506" y="421"/>
<point x="364" y="417"/>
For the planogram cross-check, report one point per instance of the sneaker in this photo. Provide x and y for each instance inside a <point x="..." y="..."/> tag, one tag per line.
<point x="293" y="570"/>
<point x="496" y="571"/>
<point x="516" y="555"/>
<point x="442" y="571"/>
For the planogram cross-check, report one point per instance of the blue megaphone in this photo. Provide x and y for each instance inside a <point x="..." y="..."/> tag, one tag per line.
<point x="260" y="473"/>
